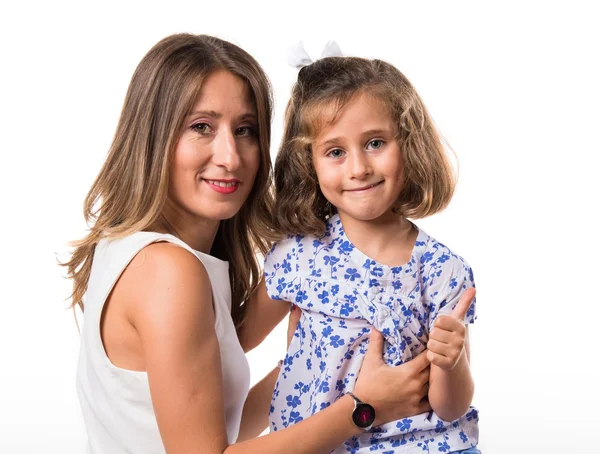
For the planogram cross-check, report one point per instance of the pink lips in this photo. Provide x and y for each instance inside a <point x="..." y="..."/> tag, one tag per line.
<point x="364" y="188"/>
<point x="223" y="186"/>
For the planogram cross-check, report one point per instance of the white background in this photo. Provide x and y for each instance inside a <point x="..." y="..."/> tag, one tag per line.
<point x="514" y="87"/>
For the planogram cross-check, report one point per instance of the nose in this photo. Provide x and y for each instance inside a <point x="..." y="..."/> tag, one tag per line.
<point x="359" y="165"/>
<point x="225" y="152"/>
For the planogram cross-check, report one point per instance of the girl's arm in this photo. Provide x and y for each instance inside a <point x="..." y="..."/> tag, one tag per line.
<point x="255" y="417"/>
<point x="174" y="317"/>
<point x="451" y="385"/>
<point x="262" y="315"/>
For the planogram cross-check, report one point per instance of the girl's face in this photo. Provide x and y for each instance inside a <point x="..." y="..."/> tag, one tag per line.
<point x="358" y="161"/>
<point x="217" y="156"/>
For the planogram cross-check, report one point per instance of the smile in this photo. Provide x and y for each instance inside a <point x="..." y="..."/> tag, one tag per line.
<point x="223" y="186"/>
<point x="364" y="188"/>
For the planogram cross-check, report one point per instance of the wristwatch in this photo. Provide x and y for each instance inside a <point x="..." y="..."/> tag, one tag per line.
<point x="363" y="415"/>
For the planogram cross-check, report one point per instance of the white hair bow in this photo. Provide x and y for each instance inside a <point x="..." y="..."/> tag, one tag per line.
<point x="298" y="58"/>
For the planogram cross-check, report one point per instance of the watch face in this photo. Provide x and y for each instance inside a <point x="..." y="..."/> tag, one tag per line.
<point x="363" y="416"/>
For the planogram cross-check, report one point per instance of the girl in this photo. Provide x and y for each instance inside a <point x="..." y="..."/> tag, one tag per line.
<point x="176" y="215"/>
<point x="360" y="155"/>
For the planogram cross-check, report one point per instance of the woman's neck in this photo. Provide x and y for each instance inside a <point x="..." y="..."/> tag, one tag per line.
<point x="389" y="239"/>
<point x="197" y="233"/>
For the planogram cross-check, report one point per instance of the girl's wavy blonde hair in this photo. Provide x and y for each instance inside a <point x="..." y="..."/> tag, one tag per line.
<point x="131" y="189"/>
<point x="429" y="180"/>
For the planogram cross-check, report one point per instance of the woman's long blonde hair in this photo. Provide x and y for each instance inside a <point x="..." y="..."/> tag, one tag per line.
<point x="131" y="189"/>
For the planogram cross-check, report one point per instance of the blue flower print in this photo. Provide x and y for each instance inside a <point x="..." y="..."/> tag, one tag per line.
<point x="323" y="297"/>
<point x="346" y="309"/>
<point x="330" y="260"/>
<point x="301" y="296"/>
<point x="293" y="401"/>
<point x="295" y="417"/>
<point x="426" y="257"/>
<point x="444" y="447"/>
<point x="473" y="414"/>
<point x="351" y="274"/>
<point x="443" y="258"/>
<point x="343" y="295"/>
<point x="336" y="341"/>
<point x="345" y="247"/>
<point x="404" y="425"/>
<point x="377" y="271"/>
<point x="323" y="387"/>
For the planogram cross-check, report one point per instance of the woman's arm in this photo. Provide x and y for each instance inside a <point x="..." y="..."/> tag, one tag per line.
<point x="451" y="385"/>
<point x="173" y="314"/>
<point x="262" y="315"/>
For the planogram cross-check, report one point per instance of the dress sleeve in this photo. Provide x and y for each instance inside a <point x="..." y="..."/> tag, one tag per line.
<point x="445" y="292"/>
<point x="281" y="268"/>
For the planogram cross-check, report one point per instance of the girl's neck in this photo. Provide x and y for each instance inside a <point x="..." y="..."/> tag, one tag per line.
<point x="388" y="240"/>
<point x="197" y="233"/>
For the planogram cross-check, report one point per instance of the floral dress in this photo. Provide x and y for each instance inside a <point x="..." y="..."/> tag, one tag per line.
<point x="343" y="294"/>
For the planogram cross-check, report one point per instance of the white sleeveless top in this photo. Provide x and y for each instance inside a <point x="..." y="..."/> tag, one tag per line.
<point x="116" y="403"/>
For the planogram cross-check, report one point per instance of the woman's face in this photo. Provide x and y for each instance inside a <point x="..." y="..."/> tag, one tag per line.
<point x="217" y="156"/>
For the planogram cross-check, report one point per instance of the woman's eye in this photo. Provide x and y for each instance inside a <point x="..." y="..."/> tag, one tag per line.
<point x="375" y="144"/>
<point x="246" y="131"/>
<point x="336" y="153"/>
<point x="202" y="128"/>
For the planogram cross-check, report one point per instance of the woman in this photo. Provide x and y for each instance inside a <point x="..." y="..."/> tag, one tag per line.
<point x="178" y="210"/>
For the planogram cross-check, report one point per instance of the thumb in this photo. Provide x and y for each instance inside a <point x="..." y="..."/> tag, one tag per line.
<point x="375" y="349"/>
<point x="464" y="303"/>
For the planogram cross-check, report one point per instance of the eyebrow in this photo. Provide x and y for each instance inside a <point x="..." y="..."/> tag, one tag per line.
<point x="218" y="115"/>
<point x="370" y="132"/>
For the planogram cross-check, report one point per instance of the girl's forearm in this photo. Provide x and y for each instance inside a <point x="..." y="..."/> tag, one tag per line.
<point x="255" y="416"/>
<point x="451" y="391"/>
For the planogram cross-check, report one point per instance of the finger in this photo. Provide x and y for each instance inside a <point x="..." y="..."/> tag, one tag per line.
<point x="441" y="335"/>
<point x="420" y="362"/>
<point x="438" y="360"/>
<point x="423" y="377"/>
<point x="438" y="347"/>
<point x="449" y="323"/>
<point x="374" y="353"/>
<point x="464" y="303"/>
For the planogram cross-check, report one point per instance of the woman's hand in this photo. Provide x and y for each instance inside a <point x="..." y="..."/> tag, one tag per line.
<point x="294" y="318"/>
<point x="394" y="392"/>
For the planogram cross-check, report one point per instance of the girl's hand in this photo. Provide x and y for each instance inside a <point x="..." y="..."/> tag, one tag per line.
<point x="447" y="338"/>
<point x="394" y="392"/>
<point x="294" y="318"/>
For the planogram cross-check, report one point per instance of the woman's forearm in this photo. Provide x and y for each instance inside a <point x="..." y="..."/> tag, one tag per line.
<point x="255" y="416"/>
<point x="451" y="391"/>
<point x="320" y="433"/>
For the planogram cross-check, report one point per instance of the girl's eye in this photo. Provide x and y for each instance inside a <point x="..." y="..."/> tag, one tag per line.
<point x="202" y="128"/>
<point x="246" y="131"/>
<point x="375" y="144"/>
<point x="336" y="153"/>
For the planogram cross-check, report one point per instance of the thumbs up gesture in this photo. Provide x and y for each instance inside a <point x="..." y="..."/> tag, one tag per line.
<point x="447" y="338"/>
